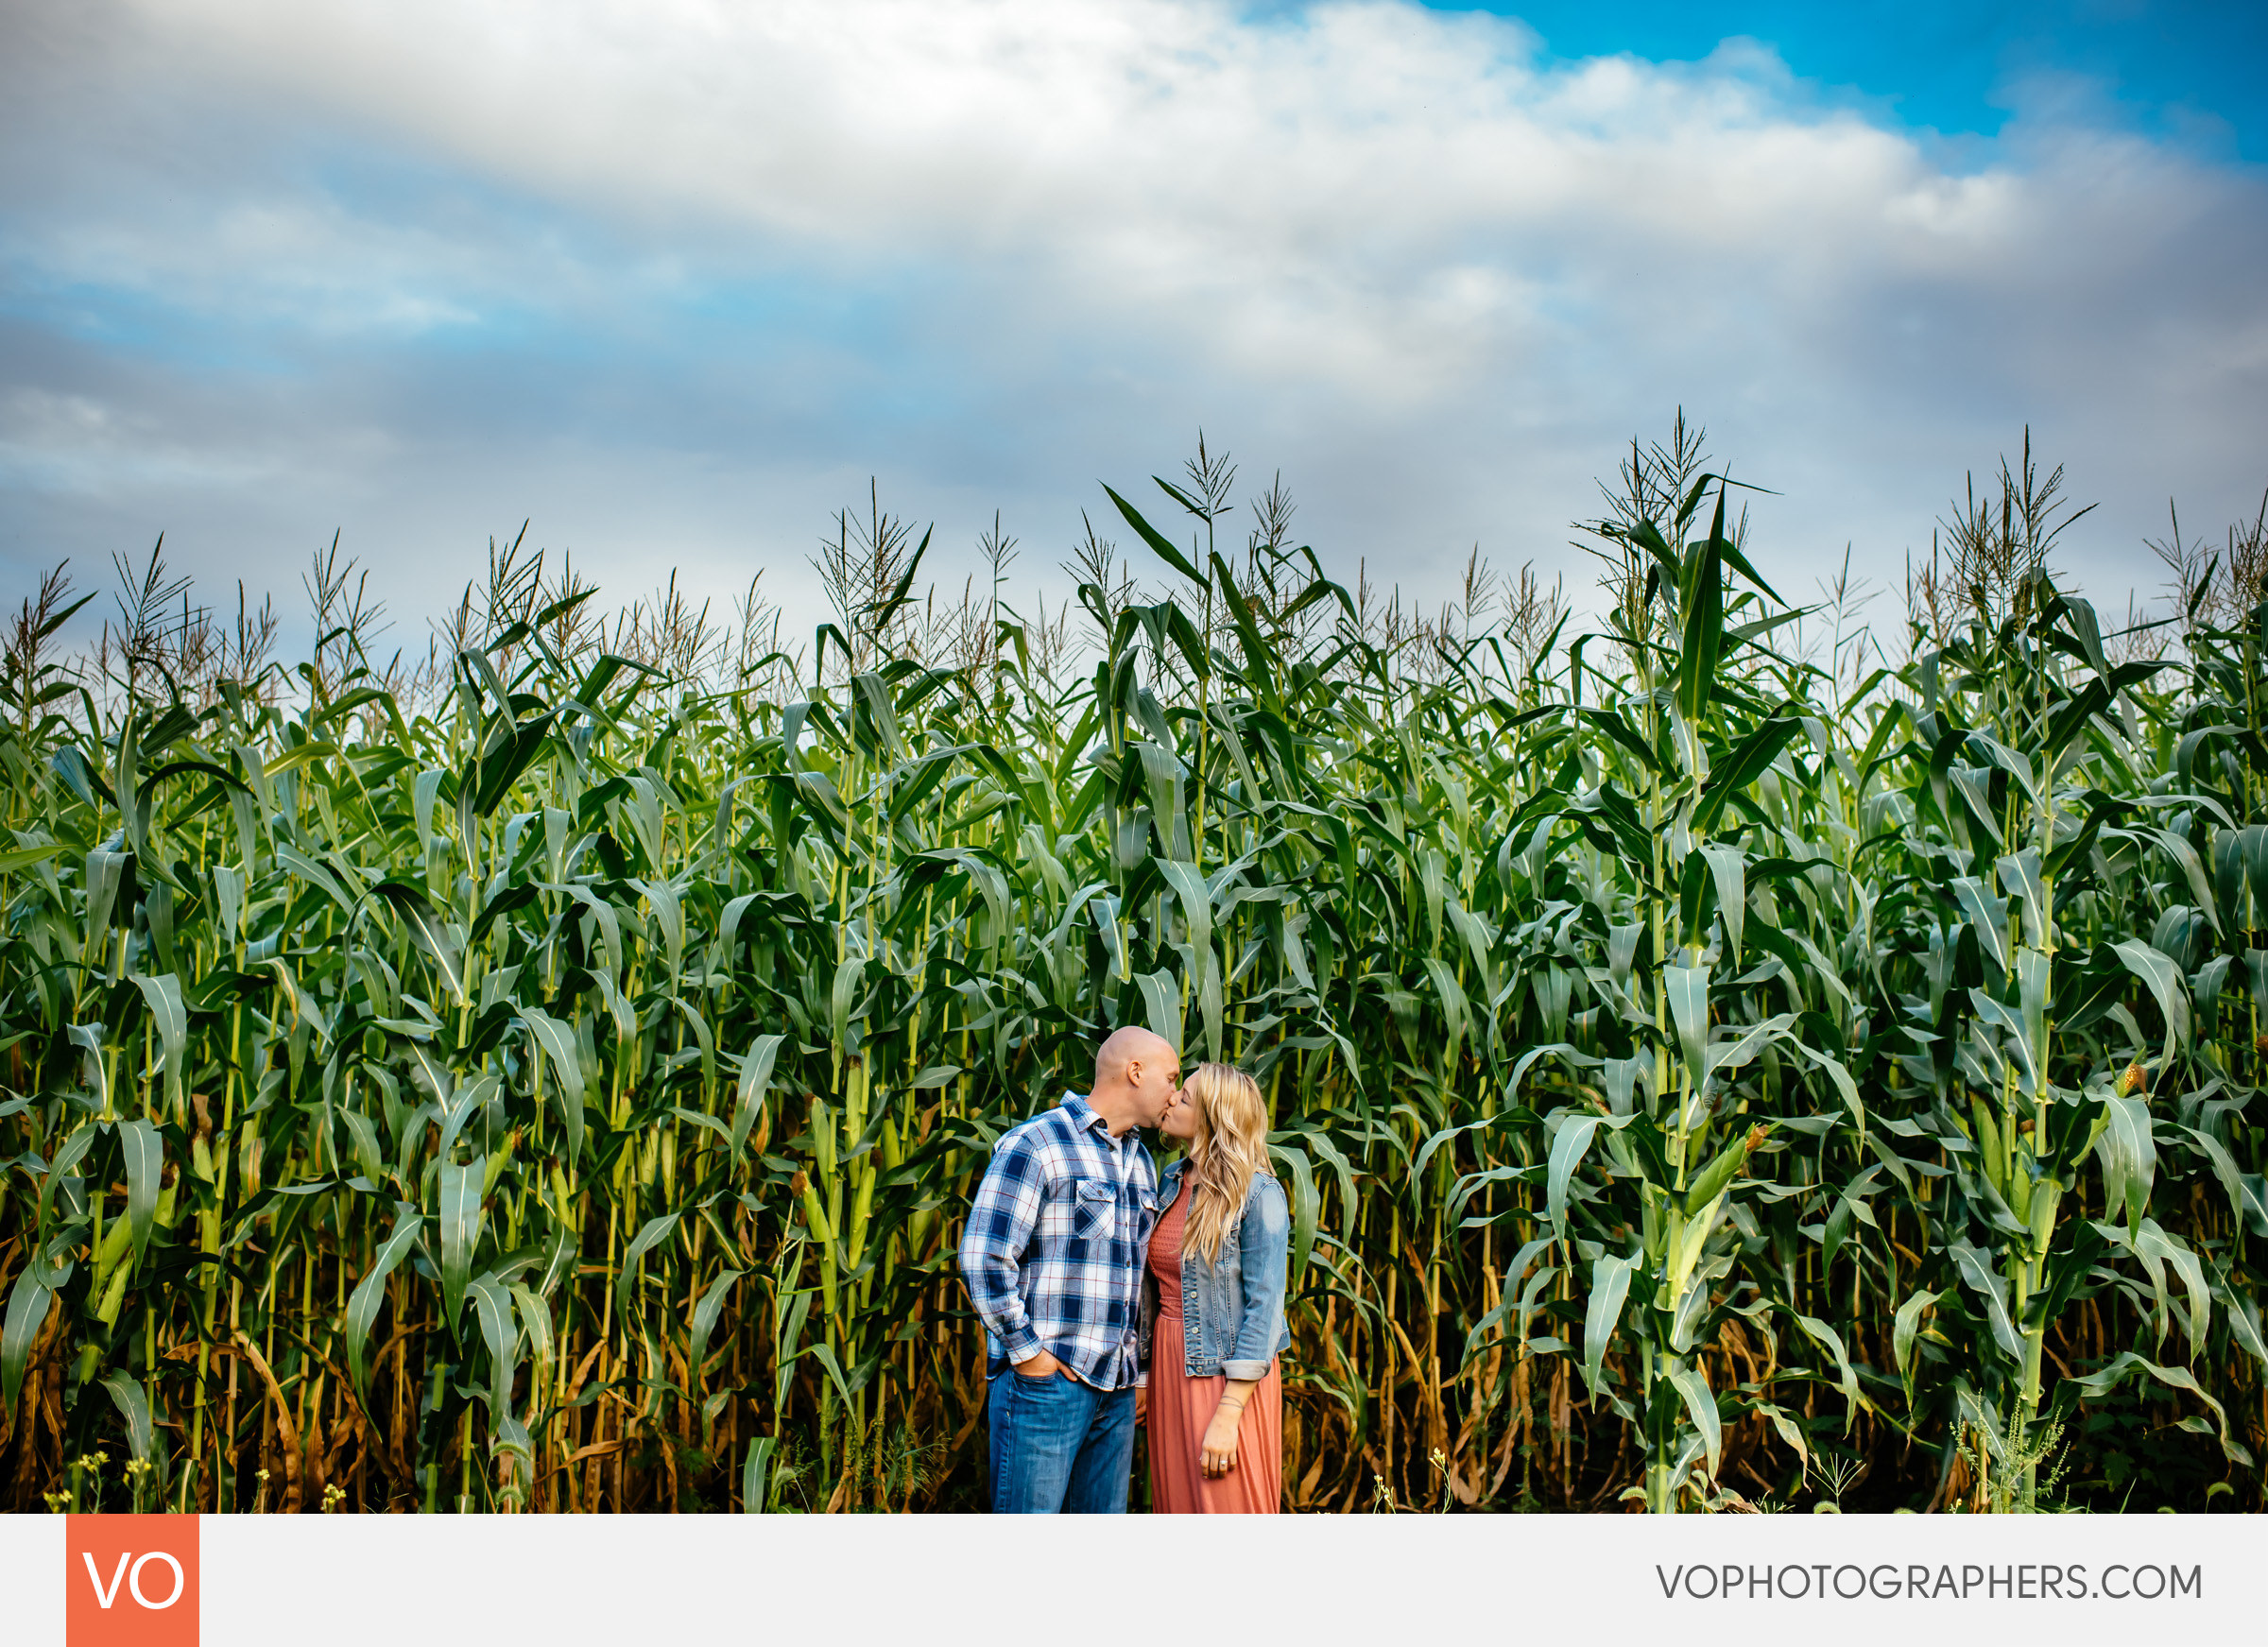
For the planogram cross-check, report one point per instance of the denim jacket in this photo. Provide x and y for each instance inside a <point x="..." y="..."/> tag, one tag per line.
<point x="1233" y="1309"/>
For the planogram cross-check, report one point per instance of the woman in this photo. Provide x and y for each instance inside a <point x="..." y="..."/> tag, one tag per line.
<point x="1213" y="1306"/>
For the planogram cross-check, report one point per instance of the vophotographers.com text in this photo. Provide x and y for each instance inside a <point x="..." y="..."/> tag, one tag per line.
<point x="1918" y="1581"/>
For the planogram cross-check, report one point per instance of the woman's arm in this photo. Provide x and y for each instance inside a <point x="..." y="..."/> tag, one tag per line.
<point x="1266" y="1240"/>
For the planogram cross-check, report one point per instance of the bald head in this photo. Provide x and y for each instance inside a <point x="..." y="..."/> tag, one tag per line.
<point x="1136" y="1074"/>
<point x="1130" y="1044"/>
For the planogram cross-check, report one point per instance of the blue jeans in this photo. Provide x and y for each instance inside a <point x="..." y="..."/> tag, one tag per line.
<point x="1058" y="1446"/>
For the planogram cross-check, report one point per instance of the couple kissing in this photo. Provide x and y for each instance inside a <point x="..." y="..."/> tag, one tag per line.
<point x="1114" y="1298"/>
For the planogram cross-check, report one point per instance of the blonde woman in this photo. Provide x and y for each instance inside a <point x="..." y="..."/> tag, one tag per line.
<point x="1213" y="1306"/>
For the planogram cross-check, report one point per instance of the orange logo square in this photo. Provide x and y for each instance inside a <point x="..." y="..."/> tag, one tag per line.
<point x="130" y="1581"/>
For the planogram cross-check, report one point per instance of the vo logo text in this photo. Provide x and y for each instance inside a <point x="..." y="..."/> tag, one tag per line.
<point x="130" y="1581"/>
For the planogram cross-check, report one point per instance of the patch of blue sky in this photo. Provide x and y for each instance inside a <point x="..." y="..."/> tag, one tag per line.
<point x="2188" y="71"/>
<point x="557" y="293"/>
<point x="265" y="339"/>
<point x="874" y="308"/>
<point x="132" y="322"/>
<point x="781" y="363"/>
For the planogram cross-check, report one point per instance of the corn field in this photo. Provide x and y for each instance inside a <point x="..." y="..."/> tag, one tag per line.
<point x="1710" y="1073"/>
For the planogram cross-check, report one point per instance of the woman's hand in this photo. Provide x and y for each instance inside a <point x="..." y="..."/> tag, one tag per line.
<point x="1216" y="1453"/>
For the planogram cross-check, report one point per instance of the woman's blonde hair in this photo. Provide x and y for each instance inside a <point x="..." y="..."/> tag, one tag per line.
<point x="1230" y="1145"/>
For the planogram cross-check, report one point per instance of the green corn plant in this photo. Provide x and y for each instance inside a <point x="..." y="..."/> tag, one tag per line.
<point x="1672" y="1110"/>
<point x="2024" y="732"/>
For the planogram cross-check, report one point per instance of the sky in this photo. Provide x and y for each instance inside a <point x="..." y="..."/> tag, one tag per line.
<point x="675" y="281"/>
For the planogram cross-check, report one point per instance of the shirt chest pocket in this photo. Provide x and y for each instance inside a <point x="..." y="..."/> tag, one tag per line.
<point x="1093" y="1209"/>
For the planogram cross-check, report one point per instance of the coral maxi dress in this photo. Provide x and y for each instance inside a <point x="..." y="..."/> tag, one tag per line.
<point x="1181" y="1407"/>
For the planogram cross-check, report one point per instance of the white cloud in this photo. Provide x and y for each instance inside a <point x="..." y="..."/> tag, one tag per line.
<point x="1383" y="247"/>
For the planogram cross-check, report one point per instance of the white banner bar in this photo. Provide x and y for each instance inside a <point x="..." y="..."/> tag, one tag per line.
<point x="344" y="1581"/>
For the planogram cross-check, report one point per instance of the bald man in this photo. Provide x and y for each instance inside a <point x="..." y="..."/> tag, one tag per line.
<point x="1052" y="1257"/>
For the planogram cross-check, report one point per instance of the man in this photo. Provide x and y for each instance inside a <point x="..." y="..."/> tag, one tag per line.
<point x="1053" y="1258"/>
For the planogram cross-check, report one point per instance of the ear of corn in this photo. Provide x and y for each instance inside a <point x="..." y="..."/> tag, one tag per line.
<point x="559" y="1089"/>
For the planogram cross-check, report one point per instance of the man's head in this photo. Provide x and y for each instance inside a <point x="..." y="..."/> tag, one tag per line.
<point x="1136" y="1074"/>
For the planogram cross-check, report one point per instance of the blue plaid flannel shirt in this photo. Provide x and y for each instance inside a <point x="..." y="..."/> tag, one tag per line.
<point x="1056" y="1242"/>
